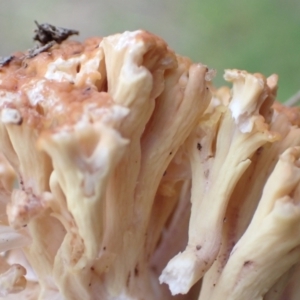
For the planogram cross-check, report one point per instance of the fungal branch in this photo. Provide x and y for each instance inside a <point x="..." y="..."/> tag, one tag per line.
<point x="123" y="168"/>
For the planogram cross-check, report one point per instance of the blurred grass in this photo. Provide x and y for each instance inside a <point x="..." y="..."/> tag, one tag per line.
<point x="259" y="36"/>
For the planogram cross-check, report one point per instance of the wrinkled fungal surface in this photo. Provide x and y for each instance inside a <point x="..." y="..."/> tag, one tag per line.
<point x="126" y="175"/>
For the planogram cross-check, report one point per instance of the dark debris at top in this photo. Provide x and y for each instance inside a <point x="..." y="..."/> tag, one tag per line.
<point x="46" y="33"/>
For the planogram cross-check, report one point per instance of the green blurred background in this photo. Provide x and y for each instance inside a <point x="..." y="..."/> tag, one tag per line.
<point x="259" y="36"/>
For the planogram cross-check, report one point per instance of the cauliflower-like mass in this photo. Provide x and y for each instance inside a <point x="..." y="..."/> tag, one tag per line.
<point x="123" y="168"/>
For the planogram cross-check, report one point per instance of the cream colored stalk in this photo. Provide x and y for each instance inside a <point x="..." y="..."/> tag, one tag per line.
<point x="250" y="273"/>
<point x="248" y="191"/>
<point x="154" y="141"/>
<point x="220" y="152"/>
